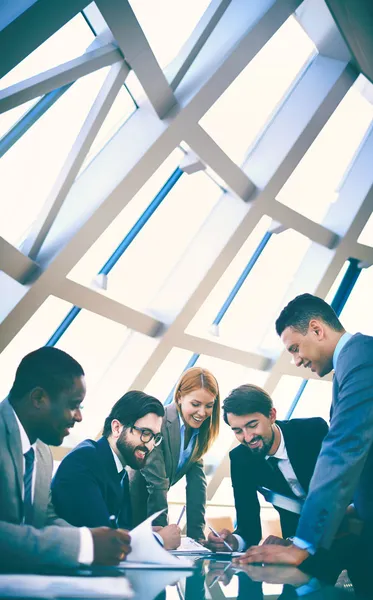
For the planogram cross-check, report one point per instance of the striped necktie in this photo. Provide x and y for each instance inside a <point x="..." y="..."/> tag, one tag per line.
<point x="27" y="481"/>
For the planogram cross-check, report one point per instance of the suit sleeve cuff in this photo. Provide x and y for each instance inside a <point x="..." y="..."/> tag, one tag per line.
<point x="86" y="551"/>
<point x="303" y="545"/>
<point x="241" y="542"/>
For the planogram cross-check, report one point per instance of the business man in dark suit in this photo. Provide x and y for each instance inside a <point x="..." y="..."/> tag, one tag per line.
<point x="278" y="455"/>
<point x="314" y="336"/>
<point x="43" y="404"/>
<point x="91" y="483"/>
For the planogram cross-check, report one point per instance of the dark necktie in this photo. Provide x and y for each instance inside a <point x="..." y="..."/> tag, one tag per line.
<point x="124" y="519"/>
<point x="27" y="481"/>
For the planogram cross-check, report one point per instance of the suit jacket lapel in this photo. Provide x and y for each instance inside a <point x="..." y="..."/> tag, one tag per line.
<point x="174" y="440"/>
<point x="14" y="444"/>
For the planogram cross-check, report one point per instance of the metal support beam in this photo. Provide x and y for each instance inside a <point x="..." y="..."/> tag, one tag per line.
<point x="60" y="76"/>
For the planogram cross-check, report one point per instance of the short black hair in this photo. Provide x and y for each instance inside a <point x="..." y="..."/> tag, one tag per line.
<point x="130" y="408"/>
<point x="247" y="399"/>
<point x="49" y="368"/>
<point x="300" y="311"/>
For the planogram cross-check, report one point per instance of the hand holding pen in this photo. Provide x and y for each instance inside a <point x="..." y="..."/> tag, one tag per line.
<point x="223" y="541"/>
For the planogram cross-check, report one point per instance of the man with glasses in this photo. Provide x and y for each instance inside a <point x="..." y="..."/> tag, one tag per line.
<point x="91" y="485"/>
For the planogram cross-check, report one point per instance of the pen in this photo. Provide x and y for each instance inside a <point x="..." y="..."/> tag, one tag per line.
<point x="181" y="515"/>
<point x="113" y="522"/>
<point x="219" y="536"/>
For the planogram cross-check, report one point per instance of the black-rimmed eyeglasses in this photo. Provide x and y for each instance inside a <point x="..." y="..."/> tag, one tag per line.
<point x="146" y="435"/>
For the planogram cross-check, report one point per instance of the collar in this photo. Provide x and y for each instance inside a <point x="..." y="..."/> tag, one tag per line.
<point x="280" y="453"/>
<point x="183" y="427"/>
<point x="339" y="347"/>
<point x="25" y="442"/>
<point x="118" y="464"/>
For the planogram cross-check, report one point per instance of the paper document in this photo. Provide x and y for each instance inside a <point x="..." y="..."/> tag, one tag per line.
<point x="146" y="549"/>
<point x="190" y="545"/>
<point x="55" y="586"/>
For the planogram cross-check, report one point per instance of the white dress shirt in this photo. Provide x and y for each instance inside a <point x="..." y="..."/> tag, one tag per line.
<point x="287" y="470"/>
<point x="86" y="551"/>
<point x="120" y="468"/>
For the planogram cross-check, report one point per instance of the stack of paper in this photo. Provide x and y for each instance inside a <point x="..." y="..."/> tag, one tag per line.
<point x="190" y="545"/>
<point x="148" y="553"/>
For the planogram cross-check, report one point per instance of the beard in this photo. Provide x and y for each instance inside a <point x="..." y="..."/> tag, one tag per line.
<point x="266" y="444"/>
<point x="128" y="452"/>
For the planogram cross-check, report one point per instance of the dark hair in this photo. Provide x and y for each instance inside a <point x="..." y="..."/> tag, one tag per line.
<point x="130" y="408"/>
<point x="247" y="399"/>
<point x="51" y="369"/>
<point x="299" y="312"/>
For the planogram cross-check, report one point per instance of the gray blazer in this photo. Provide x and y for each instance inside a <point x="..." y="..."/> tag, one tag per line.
<point x="30" y="544"/>
<point x="149" y="486"/>
<point x="344" y="470"/>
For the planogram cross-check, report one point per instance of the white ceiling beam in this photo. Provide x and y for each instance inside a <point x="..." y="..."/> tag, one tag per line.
<point x="15" y="264"/>
<point x="188" y="53"/>
<point x="293" y="220"/>
<point x="318" y="23"/>
<point x="212" y="155"/>
<point x="364" y="253"/>
<point x="199" y="345"/>
<point x="136" y="49"/>
<point x="32" y="27"/>
<point x="75" y="159"/>
<point x="43" y="83"/>
<point x="100" y="304"/>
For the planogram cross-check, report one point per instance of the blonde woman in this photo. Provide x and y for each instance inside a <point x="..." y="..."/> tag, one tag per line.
<point x="190" y="426"/>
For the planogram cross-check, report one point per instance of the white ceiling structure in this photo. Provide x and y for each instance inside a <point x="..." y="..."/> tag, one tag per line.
<point x="171" y="176"/>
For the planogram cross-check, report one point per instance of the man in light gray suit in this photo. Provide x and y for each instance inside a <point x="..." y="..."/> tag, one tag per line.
<point x="314" y="336"/>
<point x="43" y="404"/>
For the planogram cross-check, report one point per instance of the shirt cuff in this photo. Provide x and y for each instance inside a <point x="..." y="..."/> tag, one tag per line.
<point x="241" y="542"/>
<point x="312" y="586"/>
<point x="303" y="545"/>
<point x="86" y="551"/>
<point x="158" y="538"/>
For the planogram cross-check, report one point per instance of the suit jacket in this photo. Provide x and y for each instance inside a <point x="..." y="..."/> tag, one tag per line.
<point x="345" y="465"/>
<point x="86" y="488"/>
<point x="30" y="545"/>
<point x="150" y="486"/>
<point x="303" y="438"/>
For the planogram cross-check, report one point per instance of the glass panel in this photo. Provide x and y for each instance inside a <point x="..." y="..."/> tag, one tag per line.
<point x="12" y="116"/>
<point x="315" y="400"/>
<point x="315" y="183"/>
<point x="238" y="117"/>
<point x="123" y="107"/>
<point x="248" y="323"/>
<point x="42" y="152"/>
<point x="67" y="43"/>
<point x="357" y="312"/>
<point x="159" y="245"/>
<point x="168" y="373"/>
<point x="90" y="264"/>
<point x="168" y="20"/>
<point x="366" y="236"/>
<point x="333" y="290"/>
<point x="102" y="347"/>
<point x="33" y="335"/>
<point x="284" y="394"/>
